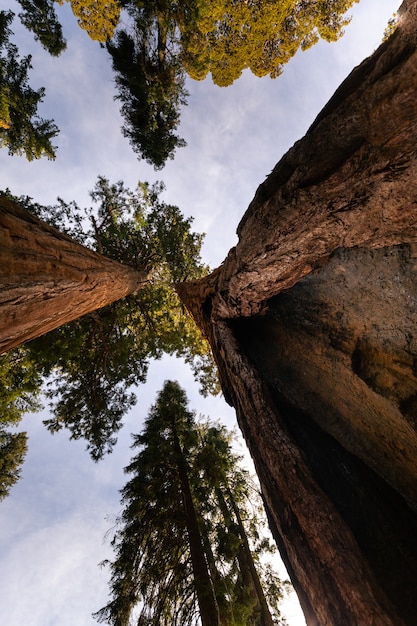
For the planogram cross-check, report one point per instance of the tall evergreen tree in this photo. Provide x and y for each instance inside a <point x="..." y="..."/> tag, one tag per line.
<point x="177" y="545"/>
<point x="150" y="86"/>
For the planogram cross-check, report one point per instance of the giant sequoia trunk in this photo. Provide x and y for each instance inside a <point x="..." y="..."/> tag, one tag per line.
<point x="46" y="279"/>
<point x="312" y="319"/>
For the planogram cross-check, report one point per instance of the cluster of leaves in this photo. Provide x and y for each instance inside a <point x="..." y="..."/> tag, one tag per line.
<point x="39" y="17"/>
<point x="98" y="18"/>
<point x="263" y="35"/>
<point x="92" y="362"/>
<point x="19" y="389"/>
<point x="187" y="492"/>
<point x="22" y="131"/>
<point x="391" y="27"/>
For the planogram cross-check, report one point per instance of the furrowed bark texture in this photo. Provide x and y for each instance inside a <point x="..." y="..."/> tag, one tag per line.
<point x="46" y="279"/>
<point x="312" y="319"/>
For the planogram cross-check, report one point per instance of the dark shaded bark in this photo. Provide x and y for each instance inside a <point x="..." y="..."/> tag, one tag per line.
<point x="312" y="321"/>
<point x="46" y="279"/>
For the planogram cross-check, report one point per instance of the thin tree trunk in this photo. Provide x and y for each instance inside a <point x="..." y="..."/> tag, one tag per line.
<point x="312" y="322"/>
<point x="247" y="567"/>
<point x="209" y="611"/>
<point x="265" y="614"/>
<point x="47" y="279"/>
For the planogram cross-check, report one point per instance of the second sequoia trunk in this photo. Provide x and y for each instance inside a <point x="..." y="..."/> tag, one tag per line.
<point x="47" y="279"/>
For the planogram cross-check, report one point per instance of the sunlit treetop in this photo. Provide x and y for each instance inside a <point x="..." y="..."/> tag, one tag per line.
<point x="262" y="35"/>
<point x="98" y="18"/>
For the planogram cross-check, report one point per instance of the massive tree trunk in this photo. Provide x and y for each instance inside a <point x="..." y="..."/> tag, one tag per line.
<point x="312" y="319"/>
<point x="46" y="279"/>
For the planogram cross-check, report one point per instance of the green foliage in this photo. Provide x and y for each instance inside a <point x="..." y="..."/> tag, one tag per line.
<point x="152" y="572"/>
<point x="98" y="17"/>
<point x="151" y="88"/>
<point x="19" y="385"/>
<point x="21" y="129"/>
<point x="19" y="390"/>
<point x="164" y="40"/>
<point x="92" y="362"/>
<point x="227" y="37"/>
<point x="157" y="45"/>
<point x="39" y="17"/>
<point x="13" y="447"/>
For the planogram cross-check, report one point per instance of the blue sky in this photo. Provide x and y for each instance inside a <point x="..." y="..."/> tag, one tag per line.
<point x="55" y="521"/>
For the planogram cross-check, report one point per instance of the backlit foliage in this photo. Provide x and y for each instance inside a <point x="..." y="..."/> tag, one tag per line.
<point x="227" y="37"/>
<point x="92" y="362"/>
<point x="22" y="131"/>
<point x="97" y="17"/>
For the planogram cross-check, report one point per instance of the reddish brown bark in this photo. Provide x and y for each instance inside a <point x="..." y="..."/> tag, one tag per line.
<point x="312" y="321"/>
<point x="46" y="279"/>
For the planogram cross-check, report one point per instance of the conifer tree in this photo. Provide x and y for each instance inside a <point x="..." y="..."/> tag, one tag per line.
<point x="150" y="86"/>
<point x="22" y="131"/>
<point x="178" y="545"/>
<point x="19" y="390"/>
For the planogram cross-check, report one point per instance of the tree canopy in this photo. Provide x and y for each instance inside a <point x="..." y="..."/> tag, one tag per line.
<point x="90" y="395"/>
<point x="22" y="131"/>
<point x="97" y="17"/>
<point x="161" y="42"/>
<point x="226" y="37"/>
<point x="152" y="50"/>
<point x="19" y="390"/>
<point x="188" y="520"/>
<point x="39" y="16"/>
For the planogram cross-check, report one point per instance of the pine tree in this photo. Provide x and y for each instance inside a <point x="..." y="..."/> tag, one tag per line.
<point x="150" y="86"/>
<point x="177" y="545"/>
